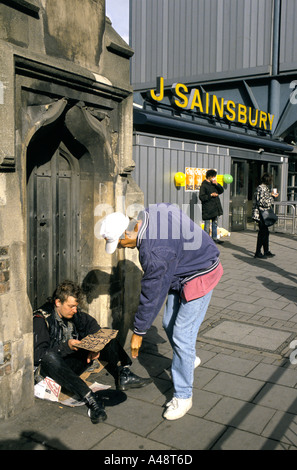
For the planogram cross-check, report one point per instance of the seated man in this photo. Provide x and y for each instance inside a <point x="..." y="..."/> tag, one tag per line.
<point x="58" y="327"/>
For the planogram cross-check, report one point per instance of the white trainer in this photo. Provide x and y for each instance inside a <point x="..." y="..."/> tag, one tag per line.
<point x="177" y="408"/>
<point x="197" y="362"/>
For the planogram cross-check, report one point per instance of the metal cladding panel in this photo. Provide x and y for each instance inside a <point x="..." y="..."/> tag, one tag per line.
<point x="288" y="35"/>
<point x="193" y="39"/>
<point x="157" y="159"/>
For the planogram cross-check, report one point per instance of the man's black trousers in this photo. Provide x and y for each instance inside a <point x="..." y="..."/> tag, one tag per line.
<point x="66" y="370"/>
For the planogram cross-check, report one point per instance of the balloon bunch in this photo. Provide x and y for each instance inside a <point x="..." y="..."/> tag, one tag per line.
<point x="180" y="179"/>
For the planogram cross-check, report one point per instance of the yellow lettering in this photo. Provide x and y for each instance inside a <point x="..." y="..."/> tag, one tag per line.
<point x="178" y="93"/>
<point x="195" y="100"/>
<point x="207" y="103"/>
<point x="160" y="90"/>
<point x="217" y="107"/>
<point x="270" y="118"/>
<point x="251" y="121"/>
<point x="242" y="117"/>
<point x="263" y="119"/>
<point x="232" y="115"/>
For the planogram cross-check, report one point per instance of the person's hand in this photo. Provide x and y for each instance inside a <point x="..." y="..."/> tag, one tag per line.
<point x="214" y="194"/>
<point x="72" y="344"/>
<point x="274" y="194"/>
<point x="92" y="356"/>
<point x="136" y="342"/>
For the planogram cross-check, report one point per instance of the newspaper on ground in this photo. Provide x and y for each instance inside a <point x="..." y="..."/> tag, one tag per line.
<point x="48" y="389"/>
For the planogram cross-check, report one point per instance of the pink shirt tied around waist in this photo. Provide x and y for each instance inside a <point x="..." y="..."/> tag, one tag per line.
<point x="201" y="285"/>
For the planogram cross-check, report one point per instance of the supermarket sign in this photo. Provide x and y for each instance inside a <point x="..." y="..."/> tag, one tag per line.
<point x="209" y="104"/>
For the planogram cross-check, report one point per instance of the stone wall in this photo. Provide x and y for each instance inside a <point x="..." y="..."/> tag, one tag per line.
<point x="60" y="65"/>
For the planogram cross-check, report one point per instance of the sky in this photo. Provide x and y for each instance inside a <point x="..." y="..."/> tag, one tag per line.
<point x="118" y="12"/>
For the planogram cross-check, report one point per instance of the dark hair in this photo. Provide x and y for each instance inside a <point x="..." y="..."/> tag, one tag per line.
<point x="210" y="173"/>
<point x="67" y="289"/>
<point x="266" y="178"/>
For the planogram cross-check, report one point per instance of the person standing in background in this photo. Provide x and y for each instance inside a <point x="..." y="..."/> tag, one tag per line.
<point x="211" y="204"/>
<point x="263" y="200"/>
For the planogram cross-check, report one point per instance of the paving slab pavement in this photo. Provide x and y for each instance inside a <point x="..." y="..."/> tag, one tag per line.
<point x="245" y="390"/>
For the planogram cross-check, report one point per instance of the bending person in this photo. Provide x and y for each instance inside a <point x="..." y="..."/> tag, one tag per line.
<point x="180" y="260"/>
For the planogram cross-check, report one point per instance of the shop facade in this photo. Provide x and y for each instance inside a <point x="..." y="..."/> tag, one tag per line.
<point x="159" y="157"/>
<point x="214" y="87"/>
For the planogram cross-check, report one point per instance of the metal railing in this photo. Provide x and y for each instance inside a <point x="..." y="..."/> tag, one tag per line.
<point x="287" y="213"/>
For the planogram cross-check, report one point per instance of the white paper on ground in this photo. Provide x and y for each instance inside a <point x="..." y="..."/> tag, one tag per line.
<point x="48" y="389"/>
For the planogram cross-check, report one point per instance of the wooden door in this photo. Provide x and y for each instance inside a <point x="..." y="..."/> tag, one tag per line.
<point x="53" y="224"/>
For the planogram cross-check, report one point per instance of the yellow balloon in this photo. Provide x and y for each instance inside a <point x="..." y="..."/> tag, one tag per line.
<point x="180" y="179"/>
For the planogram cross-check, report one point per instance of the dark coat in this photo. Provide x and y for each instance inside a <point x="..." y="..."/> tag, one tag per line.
<point x="211" y="206"/>
<point x="48" y="334"/>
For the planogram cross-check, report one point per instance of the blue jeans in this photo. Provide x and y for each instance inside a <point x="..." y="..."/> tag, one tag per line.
<point x="214" y="227"/>
<point x="181" y="322"/>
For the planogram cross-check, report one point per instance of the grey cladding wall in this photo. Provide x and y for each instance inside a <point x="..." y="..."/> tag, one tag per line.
<point x="288" y="35"/>
<point x="157" y="159"/>
<point x="196" y="38"/>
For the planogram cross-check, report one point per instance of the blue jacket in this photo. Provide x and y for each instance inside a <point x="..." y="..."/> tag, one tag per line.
<point x="171" y="248"/>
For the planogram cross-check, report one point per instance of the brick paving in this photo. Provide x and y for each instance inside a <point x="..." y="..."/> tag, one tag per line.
<point x="245" y="391"/>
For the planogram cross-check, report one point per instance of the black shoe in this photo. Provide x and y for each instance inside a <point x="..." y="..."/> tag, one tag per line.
<point x="259" y="255"/>
<point x="219" y="242"/>
<point x="128" y="380"/>
<point x="96" y="408"/>
<point x="269" y="254"/>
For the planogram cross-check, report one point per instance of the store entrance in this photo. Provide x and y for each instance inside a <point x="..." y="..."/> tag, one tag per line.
<point x="238" y="195"/>
<point x="246" y="177"/>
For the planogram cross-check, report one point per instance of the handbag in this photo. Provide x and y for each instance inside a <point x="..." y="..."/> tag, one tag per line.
<point x="268" y="217"/>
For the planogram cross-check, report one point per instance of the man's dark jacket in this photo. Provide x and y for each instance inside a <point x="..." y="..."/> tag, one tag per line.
<point x="211" y="206"/>
<point x="48" y="333"/>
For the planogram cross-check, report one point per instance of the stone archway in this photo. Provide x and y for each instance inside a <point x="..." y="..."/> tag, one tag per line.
<point x="66" y="157"/>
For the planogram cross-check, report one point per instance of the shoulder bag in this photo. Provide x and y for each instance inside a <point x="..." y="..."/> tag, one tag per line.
<point x="268" y="217"/>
